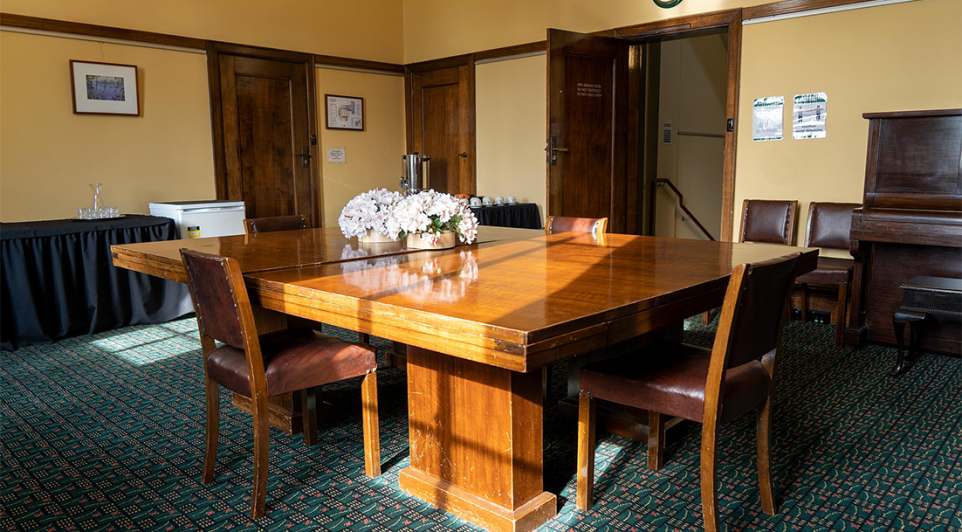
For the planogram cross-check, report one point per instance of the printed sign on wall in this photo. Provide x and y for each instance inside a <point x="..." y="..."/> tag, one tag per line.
<point x="808" y="116"/>
<point x="767" y="118"/>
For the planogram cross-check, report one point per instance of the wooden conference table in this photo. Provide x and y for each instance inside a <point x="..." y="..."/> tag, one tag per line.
<point x="480" y="322"/>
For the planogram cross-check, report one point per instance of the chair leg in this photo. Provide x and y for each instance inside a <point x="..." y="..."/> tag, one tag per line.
<point x="262" y="437"/>
<point x="211" y="434"/>
<point x="706" y="318"/>
<point x="309" y="415"/>
<point x="841" y="313"/>
<point x="763" y="434"/>
<point x="586" y="451"/>
<point x="803" y="307"/>
<point x="709" y="492"/>
<point x="364" y="338"/>
<point x="656" y="440"/>
<point x="372" y="435"/>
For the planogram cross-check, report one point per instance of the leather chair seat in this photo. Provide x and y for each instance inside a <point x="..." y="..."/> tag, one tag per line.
<point x="829" y="271"/>
<point x="294" y="359"/>
<point x="671" y="380"/>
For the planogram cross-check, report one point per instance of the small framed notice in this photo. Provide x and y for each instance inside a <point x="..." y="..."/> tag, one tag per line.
<point x="767" y="118"/>
<point x="336" y="155"/>
<point x="344" y="112"/>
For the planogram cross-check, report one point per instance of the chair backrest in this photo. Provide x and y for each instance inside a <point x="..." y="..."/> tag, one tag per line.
<point x="563" y="224"/>
<point x="252" y="226"/>
<point x="220" y="298"/>
<point x="769" y="221"/>
<point x="829" y="225"/>
<point x="755" y="305"/>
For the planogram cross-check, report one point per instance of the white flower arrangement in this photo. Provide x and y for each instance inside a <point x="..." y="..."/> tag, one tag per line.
<point x="430" y="213"/>
<point x="369" y="211"/>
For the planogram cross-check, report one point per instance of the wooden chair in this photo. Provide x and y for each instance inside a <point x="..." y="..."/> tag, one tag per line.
<point x="563" y="224"/>
<point x="707" y="386"/>
<point x="292" y="360"/>
<point x="294" y="222"/>
<point x="767" y="222"/>
<point x="830" y="226"/>
<point x="252" y="226"/>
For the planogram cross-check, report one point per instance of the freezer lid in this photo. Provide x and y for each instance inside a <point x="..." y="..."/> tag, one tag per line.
<point x="197" y="204"/>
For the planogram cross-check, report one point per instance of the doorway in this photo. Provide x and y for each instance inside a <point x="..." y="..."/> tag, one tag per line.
<point x="603" y="111"/>
<point x="440" y="120"/>
<point x="265" y="130"/>
<point x="682" y="151"/>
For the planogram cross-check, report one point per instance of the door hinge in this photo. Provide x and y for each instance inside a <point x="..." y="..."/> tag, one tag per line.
<point x="730" y="125"/>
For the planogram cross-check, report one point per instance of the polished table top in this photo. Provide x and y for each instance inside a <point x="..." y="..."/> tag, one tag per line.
<point x="513" y="300"/>
<point x="267" y="251"/>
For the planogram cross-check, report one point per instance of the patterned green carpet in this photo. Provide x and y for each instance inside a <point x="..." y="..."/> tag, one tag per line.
<point x="105" y="432"/>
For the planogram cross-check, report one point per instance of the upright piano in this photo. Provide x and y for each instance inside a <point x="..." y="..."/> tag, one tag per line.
<point x="910" y="223"/>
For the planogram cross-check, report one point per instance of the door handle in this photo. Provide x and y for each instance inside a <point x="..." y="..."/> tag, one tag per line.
<point x="463" y="154"/>
<point x="306" y="156"/>
<point x="554" y="150"/>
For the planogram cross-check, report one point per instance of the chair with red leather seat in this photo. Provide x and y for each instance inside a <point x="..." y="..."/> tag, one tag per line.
<point x="292" y="360"/>
<point x="830" y="226"/>
<point x="564" y="224"/>
<point x="769" y="221"/>
<point x="766" y="222"/>
<point x="294" y="222"/>
<point x="269" y="224"/>
<point x="710" y="387"/>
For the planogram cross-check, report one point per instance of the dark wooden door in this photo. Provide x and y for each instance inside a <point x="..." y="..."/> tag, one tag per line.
<point x="441" y="121"/>
<point x="267" y="132"/>
<point x="587" y="127"/>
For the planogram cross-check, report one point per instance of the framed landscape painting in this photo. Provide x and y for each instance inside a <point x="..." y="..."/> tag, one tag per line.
<point x="104" y="88"/>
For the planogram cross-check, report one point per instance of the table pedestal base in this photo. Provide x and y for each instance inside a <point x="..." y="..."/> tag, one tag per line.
<point x="475" y="509"/>
<point x="477" y="441"/>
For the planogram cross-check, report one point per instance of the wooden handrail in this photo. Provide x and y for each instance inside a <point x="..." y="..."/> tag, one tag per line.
<point x="681" y="203"/>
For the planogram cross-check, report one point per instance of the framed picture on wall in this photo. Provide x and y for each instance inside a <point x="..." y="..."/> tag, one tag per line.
<point x="104" y="88"/>
<point x="344" y="112"/>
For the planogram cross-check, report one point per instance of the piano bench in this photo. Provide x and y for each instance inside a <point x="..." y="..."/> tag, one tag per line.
<point x="924" y="298"/>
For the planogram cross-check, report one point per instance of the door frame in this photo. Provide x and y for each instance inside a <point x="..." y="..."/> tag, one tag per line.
<point x="677" y="28"/>
<point x="470" y="107"/>
<point x="214" y="50"/>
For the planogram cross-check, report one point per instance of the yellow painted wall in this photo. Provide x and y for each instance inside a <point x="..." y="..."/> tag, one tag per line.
<point x="48" y="155"/>
<point x="373" y="155"/>
<point x="362" y="29"/>
<point x="511" y="130"/>
<point x="890" y="58"/>
<point x="439" y="28"/>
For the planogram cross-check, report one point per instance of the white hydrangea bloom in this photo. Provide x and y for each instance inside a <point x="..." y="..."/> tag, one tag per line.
<point x="369" y="210"/>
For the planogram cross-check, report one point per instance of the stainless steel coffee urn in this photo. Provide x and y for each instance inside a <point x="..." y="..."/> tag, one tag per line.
<point x="417" y="173"/>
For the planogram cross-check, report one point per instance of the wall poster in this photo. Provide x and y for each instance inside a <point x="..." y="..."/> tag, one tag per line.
<point x="767" y="118"/>
<point x="808" y="116"/>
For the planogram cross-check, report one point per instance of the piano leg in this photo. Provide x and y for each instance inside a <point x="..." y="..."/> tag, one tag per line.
<point x="899" y="320"/>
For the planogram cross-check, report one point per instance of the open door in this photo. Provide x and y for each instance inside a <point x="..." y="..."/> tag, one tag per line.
<point x="587" y="127"/>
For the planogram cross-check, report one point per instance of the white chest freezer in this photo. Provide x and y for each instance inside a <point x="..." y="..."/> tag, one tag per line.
<point x="201" y="219"/>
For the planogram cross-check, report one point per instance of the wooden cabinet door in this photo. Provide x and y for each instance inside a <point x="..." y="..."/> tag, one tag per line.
<point x="267" y="131"/>
<point x="587" y="127"/>
<point x="441" y="122"/>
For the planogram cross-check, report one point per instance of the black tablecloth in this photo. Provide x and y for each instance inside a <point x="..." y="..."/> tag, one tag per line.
<point x="523" y="215"/>
<point x="57" y="280"/>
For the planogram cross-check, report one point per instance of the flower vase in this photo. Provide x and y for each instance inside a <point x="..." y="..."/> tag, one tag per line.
<point x="373" y="237"/>
<point x="446" y="240"/>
